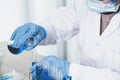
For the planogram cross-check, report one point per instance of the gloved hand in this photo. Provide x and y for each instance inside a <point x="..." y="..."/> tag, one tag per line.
<point x="58" y="63"/>
<point x="29" y="30"/>
<point x="5" y="77"/>
<point x="41" y="74"/>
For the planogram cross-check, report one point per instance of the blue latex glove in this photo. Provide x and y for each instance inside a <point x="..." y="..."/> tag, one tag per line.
<point x="26" y="31"/>
<point x="61" y="64"/>
<point x="5" y="77"/>
<point x="41" y="74"/>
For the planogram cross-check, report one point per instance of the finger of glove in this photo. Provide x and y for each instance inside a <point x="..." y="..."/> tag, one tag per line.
<point x="16" y="42"/>
<point x="22" y="29"/>
<point x="33" y="68"/>
<point x="41" y="74"/>
<point x="32" y="28"/>
<point x="19" y="41"/>
<point x="17" y="36"/>
<point x="19" y="29"/>
<point x="13" y="35"/>
<point x="34" y="74"/>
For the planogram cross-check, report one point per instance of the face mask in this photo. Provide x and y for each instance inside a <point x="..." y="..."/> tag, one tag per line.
<point x="100" y="7"/>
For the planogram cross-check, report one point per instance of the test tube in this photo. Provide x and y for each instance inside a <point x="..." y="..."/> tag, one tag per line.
<point x="60" y="75"/>
<point x="51" y="70"/>
<point x="33" y="63"/>
<point x="55" y="72"/>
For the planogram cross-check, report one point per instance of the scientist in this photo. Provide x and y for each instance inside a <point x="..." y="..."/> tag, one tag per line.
<point x="97" y="22"/>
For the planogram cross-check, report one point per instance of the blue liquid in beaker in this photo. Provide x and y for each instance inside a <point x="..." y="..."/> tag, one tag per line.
<point x="17" y="50"/>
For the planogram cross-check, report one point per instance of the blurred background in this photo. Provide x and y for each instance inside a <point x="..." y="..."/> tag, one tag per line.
<point x="14" y="13"/>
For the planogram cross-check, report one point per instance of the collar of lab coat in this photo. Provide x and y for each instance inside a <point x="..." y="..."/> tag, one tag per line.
<point x="112" y="26"/>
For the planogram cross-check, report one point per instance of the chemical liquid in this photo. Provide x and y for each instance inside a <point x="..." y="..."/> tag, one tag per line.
<point x="46" y="72"/>
<point x="19" y="49"/>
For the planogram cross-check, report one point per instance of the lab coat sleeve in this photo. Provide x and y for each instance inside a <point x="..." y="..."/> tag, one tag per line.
<point x="61" y="25"/>
<point x="82" y="72"/>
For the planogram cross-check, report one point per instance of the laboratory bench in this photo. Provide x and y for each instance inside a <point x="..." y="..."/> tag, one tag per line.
<point x="18" y="63"/>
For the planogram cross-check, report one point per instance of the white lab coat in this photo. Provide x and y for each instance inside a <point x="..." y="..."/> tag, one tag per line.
<point x="100" y="54"/>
